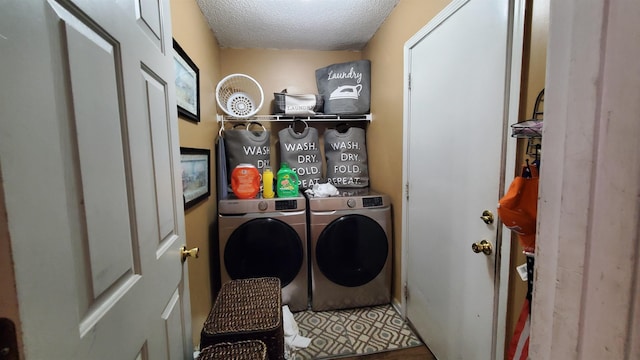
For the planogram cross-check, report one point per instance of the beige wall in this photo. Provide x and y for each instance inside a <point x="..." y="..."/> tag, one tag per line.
<point x="192" y="32"/>
<point x="276" y="70"/>
<point x="384" y="136"/>
<point x="295" y="70"/>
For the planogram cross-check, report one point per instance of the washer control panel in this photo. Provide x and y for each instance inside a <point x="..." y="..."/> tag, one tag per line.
<point x="233" y="206"/>
<point x="372" y="201"/>
<point x="290" y="204"/>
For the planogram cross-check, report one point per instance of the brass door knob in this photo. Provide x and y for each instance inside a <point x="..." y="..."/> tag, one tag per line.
<point x="482" y="247"/>
<point x="487" y="217"/>
<point x="184" y="253"/>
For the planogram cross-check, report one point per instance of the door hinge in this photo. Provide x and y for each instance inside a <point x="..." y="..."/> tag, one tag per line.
<point x="406" y="189"/>
<point x="409" y="81"/>
<point x="406" y="291"/>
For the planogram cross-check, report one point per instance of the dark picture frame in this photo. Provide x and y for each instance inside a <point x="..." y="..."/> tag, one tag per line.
<point x="196" y="181"/>
<point x="187" y="81"/>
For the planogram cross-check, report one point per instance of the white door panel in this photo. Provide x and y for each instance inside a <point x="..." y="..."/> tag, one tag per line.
<point x="457" y="111"/>
<point x="90" y="163"/>
<point x="100" y="153"/>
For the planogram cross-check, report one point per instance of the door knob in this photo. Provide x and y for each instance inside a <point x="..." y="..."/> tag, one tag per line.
<point x="184" y="253"/>
<point x="482" y="247"/>
<point x="487" y="217"/>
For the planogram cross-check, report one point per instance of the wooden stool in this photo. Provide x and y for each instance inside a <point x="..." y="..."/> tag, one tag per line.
<point x="241" y="350"/>
<point x="247" y="309"/>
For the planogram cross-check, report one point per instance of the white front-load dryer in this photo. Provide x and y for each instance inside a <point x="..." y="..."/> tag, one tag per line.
<point x="266" y="237"/>
<point x="350" y="250"/>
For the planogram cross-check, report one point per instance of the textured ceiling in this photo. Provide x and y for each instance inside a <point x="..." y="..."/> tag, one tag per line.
<point x="295" y="24"/>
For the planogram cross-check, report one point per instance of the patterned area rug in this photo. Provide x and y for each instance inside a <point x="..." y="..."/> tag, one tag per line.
<point x="353" y="332"/>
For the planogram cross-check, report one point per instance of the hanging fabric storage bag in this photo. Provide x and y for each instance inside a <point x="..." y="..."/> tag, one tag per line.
<point x="222" y="180"/>
<point x="246" y="146"/>
<point x="346" y="154"/>
<point x="301" y="151"/>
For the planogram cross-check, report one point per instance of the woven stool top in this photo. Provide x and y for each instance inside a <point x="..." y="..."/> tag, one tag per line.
<point x="246" y="305"/>
<point x="241" y="350"/>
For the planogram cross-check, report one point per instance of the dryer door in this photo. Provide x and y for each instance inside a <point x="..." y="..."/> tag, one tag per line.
<point x="352" y="250"/>
<point x="264" y="247"/>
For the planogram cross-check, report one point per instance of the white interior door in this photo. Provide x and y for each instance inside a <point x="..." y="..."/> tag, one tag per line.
<point x="90" y="156"/>
<point x="455" y="124"/>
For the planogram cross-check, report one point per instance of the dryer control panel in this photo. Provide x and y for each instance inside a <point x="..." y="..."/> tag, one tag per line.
<point x="349" y="202"/>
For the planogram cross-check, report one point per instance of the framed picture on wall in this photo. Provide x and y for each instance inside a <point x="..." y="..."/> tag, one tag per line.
<point x="187" y="79"/>
<point x="196" y="184"/>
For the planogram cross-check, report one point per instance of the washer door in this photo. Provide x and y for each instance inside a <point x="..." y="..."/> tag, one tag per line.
<point x="264" y="247"/>
<point x="352" y="250"/>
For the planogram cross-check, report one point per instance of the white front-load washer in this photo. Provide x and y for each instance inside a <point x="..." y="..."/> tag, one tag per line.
<point x="266" y="237"/>
<point x="350" y="250"/>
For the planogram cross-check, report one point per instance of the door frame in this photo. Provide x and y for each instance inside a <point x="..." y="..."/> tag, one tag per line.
<point x="508" y="159"/>
<point x="586" y="302"/>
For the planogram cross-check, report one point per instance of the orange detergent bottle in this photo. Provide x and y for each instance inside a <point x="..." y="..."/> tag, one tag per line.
<point x="245" y="181"/>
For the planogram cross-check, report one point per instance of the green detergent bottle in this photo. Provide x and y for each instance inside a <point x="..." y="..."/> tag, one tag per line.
<point x="287" y="182"/>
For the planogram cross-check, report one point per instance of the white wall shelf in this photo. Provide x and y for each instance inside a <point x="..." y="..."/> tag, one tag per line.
<point x="267" y="118"/>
